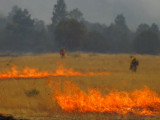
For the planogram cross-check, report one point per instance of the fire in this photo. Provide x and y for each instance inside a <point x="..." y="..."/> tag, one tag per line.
<point x="139" y="102"/>
<point x="34" y="73"/>
<point x="25" y="73"/>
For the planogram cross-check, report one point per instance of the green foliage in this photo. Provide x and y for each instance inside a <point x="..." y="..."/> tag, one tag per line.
<point x="147" y="42"/>
<point x="142" y="27"/>
<point x="23" y="18"/>
<point x="147" y="39"/>
<point x="154" y="28"/>
<point x="32" y="93"/>
<point x="59" y="12"/>
<point x="19" y="33"/>
<point x="3" y="23"/>
<point x="70" y="34"/>
<point x="101" y="28"/>
<point x="20" y="21"/>
<point x="23" y="34"/>
<point x="19" y="30"/>
<point x="120" y="21"/>
<point x="76" y="14"/>
<point x="96" y="42"/>
<point x="118" y="34"/>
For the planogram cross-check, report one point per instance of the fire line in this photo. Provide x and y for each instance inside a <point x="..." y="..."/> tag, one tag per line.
<point x="143" y="102"/>
<point x="33" y="73"/>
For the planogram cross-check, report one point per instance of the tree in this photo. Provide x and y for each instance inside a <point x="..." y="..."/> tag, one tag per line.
<point x="76" y="14"/>
<point x="12" y="13"/>
<point x="70" y="34"/>
<point x="59" y="12"/>
<point x="41" y="40"/>
<point x="154" y="28"/>
<point x="21" y="21"/>
<point x="118" y="34"/>
<point x="142" y="27"/>
<point x="147" y="39"/>
<point x="96" y="42"/>
<point x="39" y="25"/>
<point x="101" y="28"/>
<point x="147" y="42"/>
<point x="120" y="21"/>
<point x="3" y="22"/>
<point x="20" y="30"/>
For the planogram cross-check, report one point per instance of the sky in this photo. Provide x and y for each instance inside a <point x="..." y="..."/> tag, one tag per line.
<point x="102" y="11"/>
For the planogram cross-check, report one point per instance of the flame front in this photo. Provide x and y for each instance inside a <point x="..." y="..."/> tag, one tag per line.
<point x="139" y="102"/>
<point x="33" y="73"/>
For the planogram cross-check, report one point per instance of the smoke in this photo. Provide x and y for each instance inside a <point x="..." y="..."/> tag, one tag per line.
<point x="105" y="11"/>
<point x="102" y="11"/>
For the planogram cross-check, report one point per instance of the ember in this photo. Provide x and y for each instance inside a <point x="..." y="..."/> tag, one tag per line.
<point x="139" y="102"/>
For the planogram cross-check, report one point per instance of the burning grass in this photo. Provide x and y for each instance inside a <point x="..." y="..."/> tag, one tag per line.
<point x="13" y="99"/>
<point x="33" y="73"/>
<point x="143" y="102"/>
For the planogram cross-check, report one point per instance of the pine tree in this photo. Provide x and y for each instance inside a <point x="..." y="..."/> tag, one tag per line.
<point x="59" y="12"/>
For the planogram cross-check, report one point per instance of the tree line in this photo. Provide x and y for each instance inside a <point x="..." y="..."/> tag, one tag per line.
<point x="19" y="33"/>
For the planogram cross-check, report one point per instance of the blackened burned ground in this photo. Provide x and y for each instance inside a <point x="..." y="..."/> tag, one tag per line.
<point x="90" y="116"/>
<point x="9" y="117"/>
<point x="2" y="117"/>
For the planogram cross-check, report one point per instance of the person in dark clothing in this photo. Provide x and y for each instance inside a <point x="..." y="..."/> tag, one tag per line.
<point x="133" y="64"/>
<point x="62" y="52"/>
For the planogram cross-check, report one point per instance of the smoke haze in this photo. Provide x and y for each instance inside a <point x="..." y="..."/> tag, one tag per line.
<point x="102" y="11"/>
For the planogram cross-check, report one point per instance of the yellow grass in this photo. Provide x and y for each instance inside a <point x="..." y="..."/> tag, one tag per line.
<point x="14" y="101"/>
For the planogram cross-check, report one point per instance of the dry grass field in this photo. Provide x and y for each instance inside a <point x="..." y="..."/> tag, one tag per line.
<point x="31" y="98"/>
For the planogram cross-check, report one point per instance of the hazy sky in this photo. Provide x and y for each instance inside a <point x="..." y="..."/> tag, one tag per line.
<point x="102" y="11"/>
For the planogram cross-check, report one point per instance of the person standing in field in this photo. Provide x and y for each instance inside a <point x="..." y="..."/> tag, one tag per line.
<point x="62" y="52"/>
<point x="133" y="64"/>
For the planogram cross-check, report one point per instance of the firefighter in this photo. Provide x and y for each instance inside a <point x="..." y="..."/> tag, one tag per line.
<point x="62" y="52"/>
<point x="133" y="64"/>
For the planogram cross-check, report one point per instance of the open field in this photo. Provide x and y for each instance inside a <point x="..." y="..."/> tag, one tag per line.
<point x="31" y="98"/>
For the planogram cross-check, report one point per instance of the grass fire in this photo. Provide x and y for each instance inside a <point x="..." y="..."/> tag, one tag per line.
<point x="139" y="102"/>
<point x="33" y="73"/>
<point x="102" y="87"/>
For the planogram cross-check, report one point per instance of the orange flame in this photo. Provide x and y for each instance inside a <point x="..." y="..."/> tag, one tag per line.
<point x="139" y="102"/>
<point x="33" y="73"/>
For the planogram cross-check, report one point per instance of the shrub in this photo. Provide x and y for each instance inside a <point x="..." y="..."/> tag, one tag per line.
<point x="75" y="54"/>
<point x="32" y="93"/>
